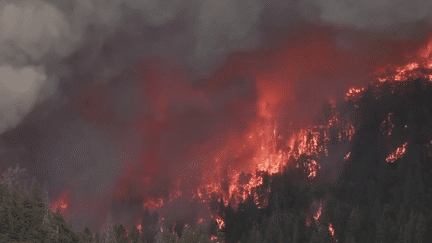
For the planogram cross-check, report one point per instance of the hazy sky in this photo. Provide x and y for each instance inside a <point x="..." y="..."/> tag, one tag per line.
<point x="106" y="101"/>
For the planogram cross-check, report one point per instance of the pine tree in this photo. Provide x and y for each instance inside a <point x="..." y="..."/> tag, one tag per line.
<point x="188" y="236"/>
<point x="255" y="236"/>
<point x="149" y="226"/>
<point x="17" y="224"/>
<point x="108" y="235"/>
<point x="220" y="234"/>
<point x="120" y="233"/>
<point x="420" y="229"/>
<point x="37" y="232"/>
<point x="65" y="231"/>
<point x="409" y="227"/>
<point x="86" y="236"/>
<point x="5" y="196"/>
<point x="202" y="235"/>
<point x="401" y="217"/>
<point x="272" y="232"/>
<point x="381" y="228"/>
<point x="98" y="238"/>
<point x="400" y="238"/>
<point x="134" y="236"/>
<point x="352" y="226"/>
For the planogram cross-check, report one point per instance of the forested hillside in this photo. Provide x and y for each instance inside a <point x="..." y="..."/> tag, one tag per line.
<point x="383" y="192"/>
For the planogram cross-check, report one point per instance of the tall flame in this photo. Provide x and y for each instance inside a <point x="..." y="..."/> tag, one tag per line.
<point x="318" y="213"/>
<point x="397" y="154"/>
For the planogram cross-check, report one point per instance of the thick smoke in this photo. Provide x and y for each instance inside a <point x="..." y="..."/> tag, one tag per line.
<point x="98" y="97"/>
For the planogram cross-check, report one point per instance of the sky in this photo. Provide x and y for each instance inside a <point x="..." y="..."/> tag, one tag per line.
<point x="109" y="102"/>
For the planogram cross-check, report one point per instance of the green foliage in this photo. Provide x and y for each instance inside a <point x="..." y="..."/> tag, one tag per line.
<point x="97" y="238"/>
<point x="120" y="233"/>
<point x="255" y="236"/>
<point x="85" y="236"/>
<point x="134" y="236"/>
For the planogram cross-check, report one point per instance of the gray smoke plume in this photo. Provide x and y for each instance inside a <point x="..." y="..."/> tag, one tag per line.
<point x="94" y="90"/>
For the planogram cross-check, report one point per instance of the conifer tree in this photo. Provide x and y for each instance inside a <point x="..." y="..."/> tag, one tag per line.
<point x="255" y="236"/>
<point x="86" y="236"/>
<point x="134" y="236"/>
<point x="17" y="224"/>
<point x="4" y="198"/>
<point x="120" y="233"/>
<point x="420" y="229"/>
<point x="220" y="234"/>
<point x="409" y="227"/>
<point x="65" y="231"/>
<point x="272" y="232"/>
<point x="35" y="215"/>
<point x="381" y="229"/>
<point x="108" y="235"/>
<point x="97" y="238"/>
<point x="187" y="235"/>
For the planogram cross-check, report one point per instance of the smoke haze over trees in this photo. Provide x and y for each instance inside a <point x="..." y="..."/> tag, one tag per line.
<point x="109" y="104"/>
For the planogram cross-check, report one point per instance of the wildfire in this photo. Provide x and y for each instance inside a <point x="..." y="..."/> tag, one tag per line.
<point x="397" y="154"/>
<point x="347" y="156"/>
<point x="318" y="213"/>
<point x="219" y="220"/>
<point x="331" y="230"/>
<point x="354" y="94"/>
<point x="139" y="227"/>
<point x="213" y="237"/>
<point x="60" y="204"/>
<point x="313" y="167"/>
<point x="305" y="148"/>
<point x="416" y="68"/>
<point x="153" y="204"/>
<point x="388" y="124"/>
<point x="429" y="148"/>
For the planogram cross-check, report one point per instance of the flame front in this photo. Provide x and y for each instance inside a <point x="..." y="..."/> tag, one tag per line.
<point x="303" y="148"/>
<point x="331" y="230"/>
<point x="318" y="213"/>
<point x="397" y="154"/>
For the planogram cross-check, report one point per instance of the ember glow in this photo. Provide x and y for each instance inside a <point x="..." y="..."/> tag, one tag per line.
<point x="219" y="220"/>
<point x="61" y="204"/>
<point x="347" y="156"/>
<point x="146" y="105"/>
<point x="397" y="154"/>
<point x="387" y="125"/>
<point x="318" y="213"/>
<point x="331" y="230"/>
<point x="429" y="148"/>
<point x="418" y="67"/>
<point x="354" y="94"/>
<point x="139" y="227"/>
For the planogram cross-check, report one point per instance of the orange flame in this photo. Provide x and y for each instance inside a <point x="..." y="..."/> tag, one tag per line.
<point x="318" y="213"/>
<point x="388" y="124"/>
<point x="429" y="148"/>
<point x="139" y="227"/>
<point x="354" y="94"/>
<point x="60" y="204"/>
<point x="347" y="156"/>
<point x="416" y="68"/>
<point x="331" y="229"/>
<point x="153" y="204"/>
<point x="268" y="155"/>
<point x="397" y="154"/>
<point x="219" y="221"/>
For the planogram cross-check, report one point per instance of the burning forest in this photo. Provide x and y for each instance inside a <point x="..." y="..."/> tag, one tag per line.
<point x="215" y="121"/>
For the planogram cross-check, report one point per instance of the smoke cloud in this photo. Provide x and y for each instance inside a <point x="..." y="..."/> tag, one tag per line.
<point x="110" y="102"/>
